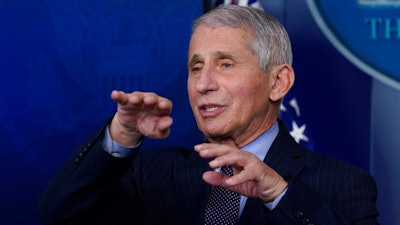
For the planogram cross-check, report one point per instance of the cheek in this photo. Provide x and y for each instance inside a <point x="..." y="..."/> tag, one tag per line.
<point x="253" y="97"/>
<point x="249" y="92"/>
<point x="192" y="94"/>
<point x="190" y="91"/>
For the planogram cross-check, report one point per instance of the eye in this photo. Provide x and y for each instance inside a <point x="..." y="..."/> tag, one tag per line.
<point x="225" y="62"/>
<point x="196" y="68"/>
<point x="226" y="65"/>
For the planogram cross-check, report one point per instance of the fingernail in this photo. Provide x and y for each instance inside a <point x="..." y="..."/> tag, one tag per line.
<point x="211" y="163"/>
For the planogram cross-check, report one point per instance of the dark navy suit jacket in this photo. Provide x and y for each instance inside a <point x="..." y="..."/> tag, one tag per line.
<point x="164" y="186"/>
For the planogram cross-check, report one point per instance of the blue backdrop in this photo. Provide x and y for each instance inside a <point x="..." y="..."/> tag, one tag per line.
<point x="59" y="61"/>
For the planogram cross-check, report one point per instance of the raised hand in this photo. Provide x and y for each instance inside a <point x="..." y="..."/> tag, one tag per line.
<point x="140" y="113"/>
<point x="252" y="177"/>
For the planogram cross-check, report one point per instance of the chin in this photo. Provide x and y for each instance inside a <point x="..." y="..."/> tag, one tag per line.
<point x="216" y="136"/>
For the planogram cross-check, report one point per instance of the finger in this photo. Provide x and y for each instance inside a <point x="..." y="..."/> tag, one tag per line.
<point x="211" y="150"/>
<point x="165" y="123"/>
<point x="151" y="100"/>
<point x="122" y="98"/>
<point x="165" y="106"/>
<point x="214" y="178"/>
<point x="225" y="160"/>
<point x="251" y="169"/>
<point x="119" y="97"/>
<point x="240" y="177"/>
<point x="246" y="167"/>
<point x="161" y="129"/>
<point x="223" y="155"/>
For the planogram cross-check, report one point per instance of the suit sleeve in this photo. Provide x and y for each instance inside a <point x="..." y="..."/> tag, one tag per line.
<point x="352" y="202"/>
<point x="92" y="187"/>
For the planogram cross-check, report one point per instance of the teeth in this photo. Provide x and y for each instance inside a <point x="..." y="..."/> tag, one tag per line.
<point x="210" y="108"/>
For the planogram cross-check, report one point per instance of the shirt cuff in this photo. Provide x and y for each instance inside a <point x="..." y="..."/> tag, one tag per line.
<point x="273" y="204"/>
<point x="116" y="149"/>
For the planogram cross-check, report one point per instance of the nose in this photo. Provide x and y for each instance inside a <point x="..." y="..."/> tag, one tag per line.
<point x="206" y="82"/>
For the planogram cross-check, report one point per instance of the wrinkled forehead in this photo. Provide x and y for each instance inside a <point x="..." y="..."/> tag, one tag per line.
<point x="222" y="35"/>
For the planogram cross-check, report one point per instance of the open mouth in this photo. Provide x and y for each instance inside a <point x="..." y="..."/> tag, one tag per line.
<point x="210" y="108"/>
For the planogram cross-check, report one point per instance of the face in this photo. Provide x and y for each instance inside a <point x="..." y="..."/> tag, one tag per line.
<point x="228" y="92"/>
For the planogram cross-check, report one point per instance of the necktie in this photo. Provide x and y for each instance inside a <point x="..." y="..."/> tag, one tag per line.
<point x="223" y="205"/>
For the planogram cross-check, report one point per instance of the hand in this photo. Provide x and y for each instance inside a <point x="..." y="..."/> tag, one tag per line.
<point x="140" y="113"/>
<point x="252" y="177"/>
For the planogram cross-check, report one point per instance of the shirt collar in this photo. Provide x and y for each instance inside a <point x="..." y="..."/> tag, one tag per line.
<point x="260" y="146"/>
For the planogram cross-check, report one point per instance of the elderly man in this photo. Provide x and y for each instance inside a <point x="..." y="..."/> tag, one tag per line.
<point x="239" y="70"/>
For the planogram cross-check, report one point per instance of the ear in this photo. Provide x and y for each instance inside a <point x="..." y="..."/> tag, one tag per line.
<point x="283" y="79"/>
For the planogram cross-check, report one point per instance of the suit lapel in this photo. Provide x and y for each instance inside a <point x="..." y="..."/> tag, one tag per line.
<point x="192" y="191"/>
<point x="285" y="155"/>
<point x="286" y="158"/>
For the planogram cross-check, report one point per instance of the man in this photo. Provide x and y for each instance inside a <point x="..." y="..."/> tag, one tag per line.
<point x="239" y="64"/>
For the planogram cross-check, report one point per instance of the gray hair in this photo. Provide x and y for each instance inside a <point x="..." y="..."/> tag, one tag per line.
<point x="271" y="43"/>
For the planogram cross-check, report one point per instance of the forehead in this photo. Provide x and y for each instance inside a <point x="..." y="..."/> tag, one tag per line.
<point x="221" y="39"/>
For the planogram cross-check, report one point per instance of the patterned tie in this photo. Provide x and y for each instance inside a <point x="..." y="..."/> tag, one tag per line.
<point x="223" y="204"/>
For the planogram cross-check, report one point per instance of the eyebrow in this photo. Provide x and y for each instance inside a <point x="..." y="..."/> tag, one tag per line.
<point x="223" y="55"/>
<point x="195" y="58"/>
